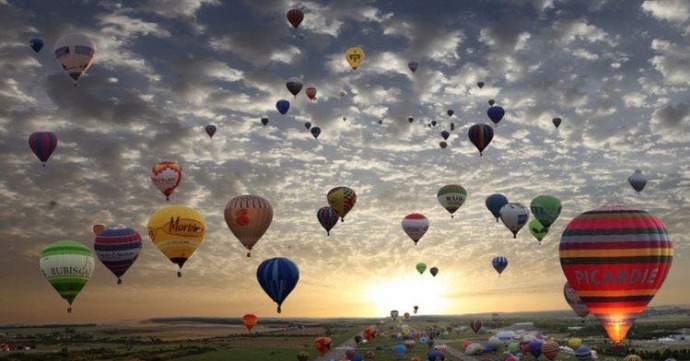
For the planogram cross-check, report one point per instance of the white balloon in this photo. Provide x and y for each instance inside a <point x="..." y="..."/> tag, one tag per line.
<point x="514" y="216"/>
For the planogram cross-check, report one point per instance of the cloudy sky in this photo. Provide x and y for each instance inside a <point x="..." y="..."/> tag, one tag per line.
<point x="615" y="71"/>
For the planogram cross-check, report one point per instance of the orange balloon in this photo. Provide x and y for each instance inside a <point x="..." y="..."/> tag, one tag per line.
<point x="249" y="320"/>
<point x="323" y="344"/>
<point x="98" y="228"/>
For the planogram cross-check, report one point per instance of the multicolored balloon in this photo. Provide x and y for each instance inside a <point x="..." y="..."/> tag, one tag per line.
<point x="514" y="216"/>
<point x="537" y="230"/>
<point x="166" y="176"/>
<point x="98" y="228"/>
<point x="248" y="217"/>
<point x="354" y="57"/>
<point x="480" y="135"/>
<point x="323" y="344"/>
<point x="494" y="203"/>
<point x="546" y="209"/>
<point x="43" y="145"/>
<point x="476" y="325"/>
<point x="177" y="231"/>
<point x="451" y="197"/>
<point x="74" y="53"/>
<point x="574" y="300"/>
<point x="342" y="200"/>
<point x="118" y="249"/>
<point x="499" y="263"/>
<point x="616" y="259"/>
<point x="278" y="277"/>
<point x="328" y="218"/>
<point x="68" y="266"/>
<point x="415" y="226"/>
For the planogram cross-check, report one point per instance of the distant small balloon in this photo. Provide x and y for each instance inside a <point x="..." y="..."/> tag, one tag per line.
<point x="450" y="112"/>
<point x="480" y="84"/>
<point x="315" y="131"/>
<point x="491" y="102"/>
<point x="264" y="121"/>
<point x="443" y="144"/>
<point x="283" y="106"/>
<point x="36" y="44"/>
<point x="637" y="180"/>
<point x="556" y="122"/>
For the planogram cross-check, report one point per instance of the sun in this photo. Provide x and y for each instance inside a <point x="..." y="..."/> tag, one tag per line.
<point x="403" y="294"/>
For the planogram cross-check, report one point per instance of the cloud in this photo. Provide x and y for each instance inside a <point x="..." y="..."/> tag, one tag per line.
<point x="675" y="11"/>
<point x="672" y="61"/>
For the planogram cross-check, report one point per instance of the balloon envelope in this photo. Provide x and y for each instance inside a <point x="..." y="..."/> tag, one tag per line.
<point x="415" y="226"/>
<point x="514" y="217"/>
<point x="450" y="112"/>
<point x="494" y="203"/>
<point x="546" y="209"/>
<point x="445" y="134"/>
<point x="166" y="176"/>
<point x="433" y="271"/>
<point x="637" y="180"/>
<point x="354" y="57"/>
<point x="249" y="321"/>
<point x="74" y="53"/>
<point x="421" y="267"/>
<point x="210" y="130"/>
<point x="264" y="120"/>
<point x="43" y="144"/>
<point x="294" y="85"/>
<point x="342" y="200"/>
<point x="495" y="113"/>
<point x="537" y="230"/>
<point x="556" y="122"/>
<point x="248" y="217"/>
<point x="315" y="131"/>
<point x="394" y="314"/>
<point x="177" y="231"/>
<point x="295" y="17"/>
<point x="283" y="106"/>
<point x="616" y="259"/>
<point x="574" y="301"/>
<point x="499" y="263"/>
<point x="311" y="92"/>
<point x="451" y="197"/>
<point x="480" y="84"/>
<point x="68" y="266"/>
<point x="36" y="44"/>
<point x="278" y="277"/>
<point x="480" y="135"/>
<point x="413" y="65"/>
<point x="476" y="325"/>
<point x="117" y="249"/>
<point x="328" y="218"/>
<point x="323" y="344"/>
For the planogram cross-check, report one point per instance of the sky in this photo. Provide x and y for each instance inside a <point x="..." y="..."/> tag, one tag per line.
<point x="615" y="71"/>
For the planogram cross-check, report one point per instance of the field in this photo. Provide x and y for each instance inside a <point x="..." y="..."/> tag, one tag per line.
<point x="281" y="340"/>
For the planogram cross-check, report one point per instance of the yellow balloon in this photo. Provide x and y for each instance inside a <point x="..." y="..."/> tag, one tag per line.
<point x="354" y="57"/>
<point x="575" y="343"/>
<point x="177" y="231"/>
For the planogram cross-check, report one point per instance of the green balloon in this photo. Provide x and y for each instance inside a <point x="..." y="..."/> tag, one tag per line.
<point x="421" y="267"/>
<point x="537" y="230"/>
<point x="68" y="266"/>
<point x="546" y="209"/>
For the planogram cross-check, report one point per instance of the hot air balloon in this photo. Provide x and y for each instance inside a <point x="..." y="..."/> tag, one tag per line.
<point x="98" y="228"/>
<point x="574" y="343"/>
<point x="494" y="203"/>
<point x="328" y="218"/>
<point x="36" y="44"/>
<point x="358" y="339"/>
<point x="500" y="263"/>
<point x="283" y="106"/>
<point x="406" y="315"/>
<point x="550" y="349"/>
<point x="491" y="102"/>
<point x="556" y="122"/>
<point x="443" y="144"/>
<point x="433" y="123"/>
<point x="637" y="180"/>
<point x="514" y="216"/>
<point x="117" y="249"/>
<point x="354" y="57"/>
<point x="43" y="145"/>
<point x="278" y="277"/>
<point x="380" y="121"/>
<point x="452" y="126"/>
<point x="445" y="134"/>
<point x="177" y="231"/>
<point x="210" y="130"/>
<point x="421" y="267"/>
<point x="480" y="84"/>
<point x="583" y="353"/>
<point x="249" y="320"/>
<point x="68" y="266"/>
<point x="574" y="301"/>
<point x="342" y="200"/>
<point x="248" y="217"/>
<point x="415" y="225"/>
<point x="264" y="120"/>
<point x="546" y="209"/>
<point x="369" y="333"/>
<point x="480" y="135"/>
<point x="476" y="325"/>
<point x="166" y="176"/>
<point x="535" y="347"/>
<point x="451" y="197"/>
<point x="450" y="112"/>
<point x="307" y="125"/>
<point x="323" y="344"/>
<point x="315" y="131"/>
<point x="413" y="65"/>
<point x="433" y="271"/>
<point x="415" y="308"/>
<point x="537" y="230"/>
<point x="311" y="92"/>
<point x="294" y="85"/>
<point x="74" y="53"/>
<point x="394" y="314"/>
<point x="616" y="259"/>
<point x="632" y="357"/>
<point x="295" y="17"/>
<point x="342" y="94"/>
<point x="495" y="113"/>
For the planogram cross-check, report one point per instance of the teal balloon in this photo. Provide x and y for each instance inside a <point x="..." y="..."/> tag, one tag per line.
<point x="546" y="209"/>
